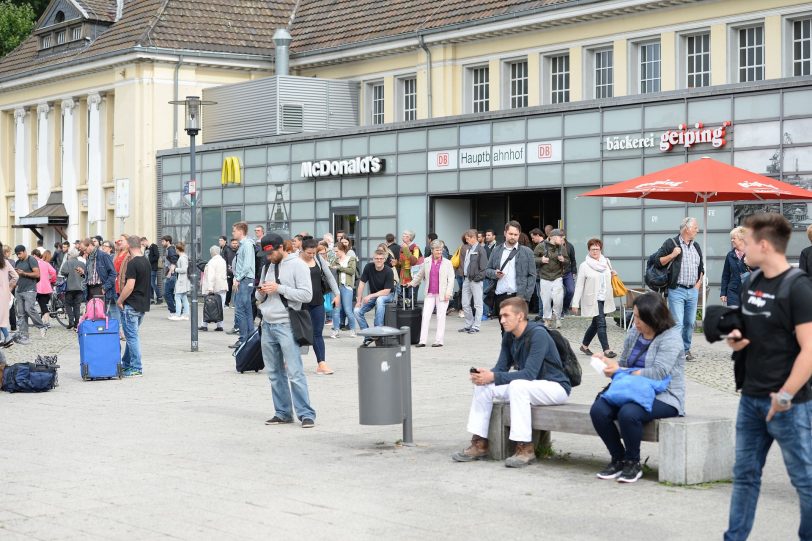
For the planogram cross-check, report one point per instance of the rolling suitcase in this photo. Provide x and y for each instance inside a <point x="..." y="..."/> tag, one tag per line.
<point x="99" y="349"/>
<point x="410" y="314"/>
<point x="249" y="355"/>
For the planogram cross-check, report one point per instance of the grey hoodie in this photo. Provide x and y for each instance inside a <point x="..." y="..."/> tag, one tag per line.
<point x="294" y="278"/>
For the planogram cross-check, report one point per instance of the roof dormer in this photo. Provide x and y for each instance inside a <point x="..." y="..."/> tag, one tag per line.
<point x="72" y="24"/>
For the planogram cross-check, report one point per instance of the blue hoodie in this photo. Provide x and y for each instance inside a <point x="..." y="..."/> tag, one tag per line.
<point x="534" y="356"/>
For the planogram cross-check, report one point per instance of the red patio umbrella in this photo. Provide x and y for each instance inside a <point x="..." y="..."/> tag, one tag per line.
<point x="706" y="181"/>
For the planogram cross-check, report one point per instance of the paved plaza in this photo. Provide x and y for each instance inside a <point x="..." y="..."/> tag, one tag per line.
<point x="183" y="453"/>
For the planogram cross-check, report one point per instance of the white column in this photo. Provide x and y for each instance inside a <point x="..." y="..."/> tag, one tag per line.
<point x="95" y="193"/>
<point x="43" y="148"/>
<point x="20" y="166"/>
<point x="70" y="197"/>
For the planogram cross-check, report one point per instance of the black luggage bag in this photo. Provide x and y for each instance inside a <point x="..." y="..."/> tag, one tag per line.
<point x="213" y="308"/>
<point x="249" y="355"/>
<point x="410" y="314"/>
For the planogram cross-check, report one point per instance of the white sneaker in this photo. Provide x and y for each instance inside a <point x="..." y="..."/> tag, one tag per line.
<point x="184" y="318"/>
<point x="352" y="333"/>
<point x="173" y="317"/>
<point x="461" y="314"/>
<point x="335" y="334"/>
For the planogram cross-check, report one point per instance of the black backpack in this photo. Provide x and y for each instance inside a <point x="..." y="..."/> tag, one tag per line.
<point x="212" y="308"/>
<point x="568" y="359"/>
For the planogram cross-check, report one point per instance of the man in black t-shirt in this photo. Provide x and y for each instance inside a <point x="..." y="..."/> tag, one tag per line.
<point x="381" y="282"/>
<point x="134" y="303"/>
<point x="774" y="351"/>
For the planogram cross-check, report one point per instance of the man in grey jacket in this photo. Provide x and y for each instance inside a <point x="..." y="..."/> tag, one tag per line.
<point x="514" y="273"/>
<point x="473" y="270"/>
<point x="279" y="349"/>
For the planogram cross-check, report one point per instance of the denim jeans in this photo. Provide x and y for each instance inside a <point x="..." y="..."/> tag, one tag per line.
<point x="754" y="436"/>
<point x="113" y="312"/>
<point x="169" y="293"/>
<point x="182" y="304"/>
<point x="317" y="319"/>
<point x="243" y="314"/>
<point x="598" y="326"/>
<point x="630" y="417"/>
<point x="285" y="371"/>
<point x="345" y="306"/>
<point x="682" y="304"/>
<point x="379" y="304"/>
<point x="486" y="310"/>
<point x="130" y="322"/>
<point x="569" y="290"/>
<point x="153" y="284"/>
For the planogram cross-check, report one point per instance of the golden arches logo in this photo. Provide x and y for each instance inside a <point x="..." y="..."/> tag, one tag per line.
<point x="232" y="171"/>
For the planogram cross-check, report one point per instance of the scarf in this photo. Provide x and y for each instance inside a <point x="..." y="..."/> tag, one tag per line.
<point x="598" y="265"/>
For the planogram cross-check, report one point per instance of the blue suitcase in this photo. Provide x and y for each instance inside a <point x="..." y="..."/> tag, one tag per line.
<point x="99" y="349"/>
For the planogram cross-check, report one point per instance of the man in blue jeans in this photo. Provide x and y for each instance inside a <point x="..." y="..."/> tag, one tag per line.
<point x="244" y="274"/>
<point x="285" y="283"/>
<point x="381" y="282"/>
<point x="683" y="258"/>
<point x="170" y="260"/>
<point x="773" y="369"/>
<point x="133" y="301"/>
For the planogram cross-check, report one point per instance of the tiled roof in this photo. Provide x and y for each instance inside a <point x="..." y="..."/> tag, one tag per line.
<point x="247" y="26"/>
<point x="324" y="24"/>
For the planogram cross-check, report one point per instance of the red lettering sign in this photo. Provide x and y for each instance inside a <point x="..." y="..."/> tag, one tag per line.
<point x="545" y="152"/>
<point x="442" y="159"/>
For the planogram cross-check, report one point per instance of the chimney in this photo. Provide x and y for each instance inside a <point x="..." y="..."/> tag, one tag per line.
<point x="282" y="39"/>
<point x="119" y="9"/>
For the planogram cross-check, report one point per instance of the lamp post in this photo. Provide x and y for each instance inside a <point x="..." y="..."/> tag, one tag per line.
<point x="193" y="106"/>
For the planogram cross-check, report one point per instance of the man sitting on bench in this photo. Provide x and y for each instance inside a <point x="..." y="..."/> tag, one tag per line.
<point x="539" y="380"/>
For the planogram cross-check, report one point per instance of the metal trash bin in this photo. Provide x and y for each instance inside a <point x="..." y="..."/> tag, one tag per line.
<point x="385" y="379"/>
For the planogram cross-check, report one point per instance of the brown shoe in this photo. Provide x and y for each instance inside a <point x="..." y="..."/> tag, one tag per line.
<point x="323" y="369"/>
<point x="524" y="455"/>
<point x="478" y="450"/>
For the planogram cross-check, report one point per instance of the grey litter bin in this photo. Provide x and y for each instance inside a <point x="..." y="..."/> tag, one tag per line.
<point x="385" y="380"/>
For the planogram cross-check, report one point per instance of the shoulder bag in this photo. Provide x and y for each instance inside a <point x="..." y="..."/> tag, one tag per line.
<point x="618" y="287"/>
<point x="455" y="259"/>
<point x="490" y="294"/>
<point x="300" y="323"/>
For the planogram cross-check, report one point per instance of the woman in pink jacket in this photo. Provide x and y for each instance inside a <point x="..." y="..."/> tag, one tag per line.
<point x="45" y="286"/>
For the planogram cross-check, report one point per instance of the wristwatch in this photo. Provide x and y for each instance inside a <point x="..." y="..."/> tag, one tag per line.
<point x="784" y="398"/>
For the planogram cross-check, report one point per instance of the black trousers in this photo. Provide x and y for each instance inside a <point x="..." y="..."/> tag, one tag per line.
<point x="73" y="306"/>
<point x="230" y="281"/>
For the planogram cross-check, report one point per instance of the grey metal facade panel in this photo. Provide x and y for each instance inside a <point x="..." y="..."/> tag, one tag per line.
<point x="252" y="109"/>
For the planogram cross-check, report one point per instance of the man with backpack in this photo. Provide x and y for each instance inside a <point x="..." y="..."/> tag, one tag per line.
<point x="773" y="369"/>
<point x="25" y="294"/>
<point x="539" y="380"/>
<point x="682" y="258"/>
<point x="552" y="261"/>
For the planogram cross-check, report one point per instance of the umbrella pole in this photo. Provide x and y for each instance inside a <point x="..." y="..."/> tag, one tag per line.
<point x="705" y="255"/>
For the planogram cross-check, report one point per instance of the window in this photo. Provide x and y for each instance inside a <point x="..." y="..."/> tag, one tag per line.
<point x="649" y="67"/>
<point x="560" y="79"/>
<point x="76" y="33"/>
<point x="751" y="53"/>
<point x="376" y="92"/>
<point x="408" y="89"/>
<point x="697" y="60"/>
<point x="518" y="84"/>
<point x="604" y="63"/>
<point x="480" y="90"/>
<point x="801" y="45"/>
<point x="45" y="42"/>
<point x="60" y="37"/>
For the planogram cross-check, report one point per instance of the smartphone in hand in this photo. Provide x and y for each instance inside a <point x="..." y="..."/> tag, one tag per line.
<point x="474" y="370"/>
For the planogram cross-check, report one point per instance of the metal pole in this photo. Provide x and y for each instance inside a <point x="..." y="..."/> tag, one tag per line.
<point x="406" y="367"/>
<point x="193" y="271"/>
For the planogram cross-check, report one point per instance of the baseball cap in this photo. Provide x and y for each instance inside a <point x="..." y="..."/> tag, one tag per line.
<point x="19" y="248"/>
<point x="271" y="242"/>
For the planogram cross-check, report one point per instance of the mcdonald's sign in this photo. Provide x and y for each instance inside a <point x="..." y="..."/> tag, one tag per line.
<point x="232" y="171"/>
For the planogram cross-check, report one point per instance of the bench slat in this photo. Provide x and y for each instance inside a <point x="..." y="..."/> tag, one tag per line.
<point x="572" y="419"/>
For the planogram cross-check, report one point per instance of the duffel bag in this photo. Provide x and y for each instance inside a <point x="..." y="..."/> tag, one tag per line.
<point x="28" y="378"/>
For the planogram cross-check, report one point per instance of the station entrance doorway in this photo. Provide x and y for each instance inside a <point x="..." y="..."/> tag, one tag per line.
<point x="451" y="215"/>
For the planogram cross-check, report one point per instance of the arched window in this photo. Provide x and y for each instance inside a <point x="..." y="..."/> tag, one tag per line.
<point x="60" y="17"/>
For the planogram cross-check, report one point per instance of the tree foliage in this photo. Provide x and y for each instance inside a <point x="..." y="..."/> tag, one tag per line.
<point x="16" y="23"/>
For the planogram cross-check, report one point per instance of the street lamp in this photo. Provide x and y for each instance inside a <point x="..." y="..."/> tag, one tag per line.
<point x="193" y="106"/>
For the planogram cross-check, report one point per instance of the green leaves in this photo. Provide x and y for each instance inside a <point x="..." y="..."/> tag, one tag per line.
<point x="16" y="23"/>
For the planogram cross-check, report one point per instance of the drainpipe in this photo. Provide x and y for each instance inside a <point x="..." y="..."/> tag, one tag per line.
<point x="175" y="107"/>
<point x="428" y="69"/>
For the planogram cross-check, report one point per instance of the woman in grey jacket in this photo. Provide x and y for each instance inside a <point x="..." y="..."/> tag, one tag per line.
<point x="653" y="349"/>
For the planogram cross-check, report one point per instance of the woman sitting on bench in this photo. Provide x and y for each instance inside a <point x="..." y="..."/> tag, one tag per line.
<point x="653" y="349"/>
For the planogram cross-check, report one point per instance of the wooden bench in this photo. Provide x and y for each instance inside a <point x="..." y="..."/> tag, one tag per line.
<point x="692" y="449"/>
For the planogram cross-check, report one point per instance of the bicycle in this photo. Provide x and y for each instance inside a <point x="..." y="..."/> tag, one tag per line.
<point x="56" y="304"/>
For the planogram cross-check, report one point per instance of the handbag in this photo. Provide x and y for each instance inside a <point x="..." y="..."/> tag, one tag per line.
<point x="618" y="287"/>
<point x="490" y="294"/>
<point x="300" y="323"/>
<point x="455" y="259"/>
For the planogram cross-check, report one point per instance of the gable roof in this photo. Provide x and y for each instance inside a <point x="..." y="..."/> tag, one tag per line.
<point x="247" y="26"/>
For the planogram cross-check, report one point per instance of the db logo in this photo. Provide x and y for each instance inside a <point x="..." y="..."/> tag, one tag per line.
<point x="545" y="152"/>
<point x="442" y="159"/>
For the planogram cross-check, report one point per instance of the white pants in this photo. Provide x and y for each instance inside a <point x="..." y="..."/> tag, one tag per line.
<point x="521" y="394"/>
<point x="552" y="296"/>
<point x="429" y="302"/>
<point x="472" y="289"/>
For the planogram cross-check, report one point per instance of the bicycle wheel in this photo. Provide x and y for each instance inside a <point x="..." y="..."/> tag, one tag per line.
<point x="57" y="310"/>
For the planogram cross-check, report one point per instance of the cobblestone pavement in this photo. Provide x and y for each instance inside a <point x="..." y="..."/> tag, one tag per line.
<point x="183" y="453"/>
